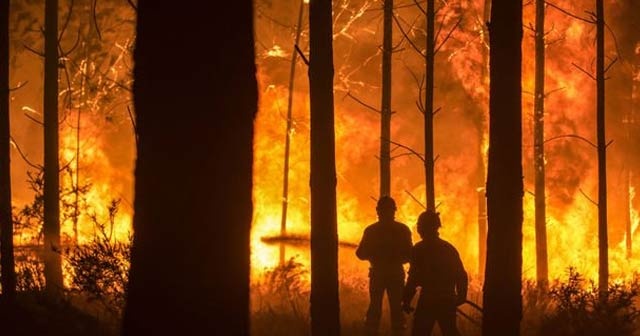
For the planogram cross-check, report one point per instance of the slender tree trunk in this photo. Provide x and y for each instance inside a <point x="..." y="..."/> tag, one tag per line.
<point x="481" y="177"/>
<point x="52" y="259"/>
<point x="325" y="306"/>
<point x="287" y="141"/>
<point x="542" y="272"/>
<point x="502" y="288"/>
<point x="428" y="106"/>
<point x="603" y="244"/>
<point x="7" y="264"/>
<point x="190" y="258"/>
<point x="385" y="111"/>
<point x="627" y="213"/>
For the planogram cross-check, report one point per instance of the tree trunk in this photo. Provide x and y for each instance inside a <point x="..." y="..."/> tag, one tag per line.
<point x="193" y="179"/>
<point x="325" y="310"/>
<point x="542" y="272"/>
<point x="7" y="264"/>
<point x="502" y="288"/>
<point x="287" y="141"/>
<point x="385" y="111"/>
<point x="52" y="258"/>
<point x="603" y="244"/>
<point x="481" y="174"/>
<point x="428" y="108"/>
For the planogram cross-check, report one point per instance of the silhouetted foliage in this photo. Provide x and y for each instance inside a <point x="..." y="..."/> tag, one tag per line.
<point x="582" y="309"/>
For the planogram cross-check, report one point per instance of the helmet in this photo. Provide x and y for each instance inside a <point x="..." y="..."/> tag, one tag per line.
<point x="429" y="220"/>
<point x="386" y="203"/>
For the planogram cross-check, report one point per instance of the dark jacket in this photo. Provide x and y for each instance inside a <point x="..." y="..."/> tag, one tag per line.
<point x="437" y="268"/>
<point x="386" y="246"/>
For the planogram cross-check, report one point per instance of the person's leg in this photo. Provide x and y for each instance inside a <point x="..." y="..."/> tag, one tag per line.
<point x="376" y="292"/>
<point x="447" y="321"/>
<point x="394" y="293"/>
<point x="423" y="320"/>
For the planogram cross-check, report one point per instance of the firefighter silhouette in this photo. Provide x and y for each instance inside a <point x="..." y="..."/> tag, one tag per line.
<point x="435" y="267"/>
<point x="387" y="245"/>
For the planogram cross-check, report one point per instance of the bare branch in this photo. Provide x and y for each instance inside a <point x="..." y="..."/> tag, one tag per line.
<point x="587" y="197"/>
<point x="573" y="136"/>
<point x="33" y="50"/>
<point x="566" y="12"/>
<point x="420" y="156"/>
<point x="406" y="36"/>
<point x="362" y="103"/>
<point x="24" y="157"/>
<point x="553" y="91"/>
<point x="584" y="71"/>
<point x="20" y="86"/>
<point x="95" y="19"/>
<point x="63" y="53"/>
<point x="304" y="58"/>
<point x="610" y="65"/>
<point x="415" y="199"/>
<point x="424" y="11"/>
<point x="608" y="144"/>
<point x="132" y="5"/>
<point x="448" y="35"/>
<point x="34" y="120"/>
<point x="66" y="21"/>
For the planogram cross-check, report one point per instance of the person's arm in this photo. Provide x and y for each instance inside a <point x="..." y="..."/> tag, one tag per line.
<point x="407" y="246"/>
<point x="410" y="287"/>
<point x="363" y="252"/>
<point x="462" y="281"/>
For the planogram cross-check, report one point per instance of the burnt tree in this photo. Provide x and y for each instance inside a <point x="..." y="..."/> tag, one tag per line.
<point x="385" y="111"/>
<point x="429" y="164"/>
<point x="502" y="287"/>
<point x="542" y="268"/>
<point x="325" y="306"/>
<point x="287" y="140"/>
<point x="603" y="240"/>
<point x="7" y="264"/>
<point x="193" y="180"/>
<point x="52" y="257"/>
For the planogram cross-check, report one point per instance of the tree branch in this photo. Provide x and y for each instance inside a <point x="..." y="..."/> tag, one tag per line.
<point x="448" y="35"/>
<point x="362" y="103"/>
<point x="406" y="36"/>
<point x="584" y="71"/>
<point x="33" y="50"/>
<point x="587" y="197"/>
<point x="34" y="120"/>
<point x="20" y="86"/>
<point x="304" y="58"/>
<point x="24" y="157"/>
<point x="566" y="12"/>
<point x="415" y="199"/>
<point x="420" y="156"/>
<point x="574" y="136"/>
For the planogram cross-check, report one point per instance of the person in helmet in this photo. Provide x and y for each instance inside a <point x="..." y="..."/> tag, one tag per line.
<point x="387" y="245"/>
<point x="435" y="267"/>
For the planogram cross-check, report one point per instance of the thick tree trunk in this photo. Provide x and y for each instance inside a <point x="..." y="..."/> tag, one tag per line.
<point x="52" y="257"/>
<point x="542" y="268"/>
<point x="325" y="306"/>
<point x="502" y="288"/>
<point x="287" y="140"/>
<point x="193" y="180"/>
<point x="385" y="111"/>
<point x="603" y="243"/>
<point x="7" y="264"/>
<point x="429" y="164"/>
